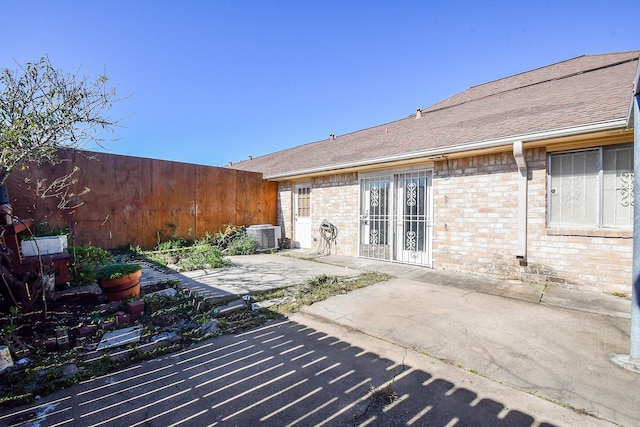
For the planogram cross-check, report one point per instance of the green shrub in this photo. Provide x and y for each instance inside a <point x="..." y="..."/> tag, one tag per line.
<point x="41" y="229"/>
<point x="113" y="271"/>
<point x="223" y="239"/>
<point x="205" y="256"/>
<point x="173" y="244"/>
<point x="242" y="244"/>
<point x="85" y="260"/>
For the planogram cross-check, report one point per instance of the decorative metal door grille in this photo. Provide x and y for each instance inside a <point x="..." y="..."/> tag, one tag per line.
<point x="395" y="217"/>
<point x="374" y="218"/>
<point x="414" y="222"/>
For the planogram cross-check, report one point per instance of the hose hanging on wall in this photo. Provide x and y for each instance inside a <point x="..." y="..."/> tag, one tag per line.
<point x="329" y="233"/>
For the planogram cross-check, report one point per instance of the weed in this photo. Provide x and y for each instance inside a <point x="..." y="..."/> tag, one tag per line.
<point x="85" y="260"/>
<point x="382" y="396"/>
<point x="267" y="295"/>
<point x="322" y="287"/>
<point x="44" y="372"/>
<point x="41" y="229"/>
<point x="223" y="239"/>
<point x="242" y="244"/>
<point x="204" y="252"/>
<point x="172" y="244"/>
<point x="379" y="397"/>
<point x="135" y="353"/>
<point x="204" y="256"/>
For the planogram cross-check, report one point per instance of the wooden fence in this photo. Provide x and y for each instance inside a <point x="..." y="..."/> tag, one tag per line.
<point x="140" y="201"/>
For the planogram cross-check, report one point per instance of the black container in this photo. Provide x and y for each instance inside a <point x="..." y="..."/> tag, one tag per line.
<point x="4" y="195"/>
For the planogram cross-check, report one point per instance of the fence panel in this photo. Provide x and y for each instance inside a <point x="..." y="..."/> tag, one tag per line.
<point x="140" y="201"/>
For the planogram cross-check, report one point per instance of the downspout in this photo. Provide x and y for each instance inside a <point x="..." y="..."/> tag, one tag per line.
<point x="632" y="360"/>
<point x="521" y="249"/>
<point x="635" y="272"/>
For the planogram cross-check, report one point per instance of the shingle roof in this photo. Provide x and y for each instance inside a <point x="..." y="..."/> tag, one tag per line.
<point x="581" y="91"/>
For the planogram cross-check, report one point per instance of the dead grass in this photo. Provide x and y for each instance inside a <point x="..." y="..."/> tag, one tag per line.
<point x="382" y="396"/>
<point x="320" y="288"/>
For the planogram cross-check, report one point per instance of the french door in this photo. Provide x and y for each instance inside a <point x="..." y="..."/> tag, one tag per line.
<point x="375" y="218"/>
<point x="396" y="217"/>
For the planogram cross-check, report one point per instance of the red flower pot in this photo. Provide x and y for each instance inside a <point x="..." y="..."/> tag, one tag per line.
<point x="123" y="287"/>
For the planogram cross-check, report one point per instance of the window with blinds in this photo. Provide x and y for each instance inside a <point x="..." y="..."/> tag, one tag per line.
<point x="591" y="188"/>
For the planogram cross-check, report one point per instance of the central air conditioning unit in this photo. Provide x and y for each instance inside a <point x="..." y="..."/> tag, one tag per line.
<point x="268" y="236"/>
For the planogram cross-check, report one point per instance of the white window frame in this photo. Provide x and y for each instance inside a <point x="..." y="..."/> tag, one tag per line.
<point x="599" y="191"/>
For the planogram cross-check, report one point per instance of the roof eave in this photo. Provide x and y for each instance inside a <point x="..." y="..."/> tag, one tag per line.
<point x="443" y="151"/>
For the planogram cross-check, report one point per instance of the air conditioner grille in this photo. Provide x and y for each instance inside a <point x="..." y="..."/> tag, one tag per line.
<point x="267" y="236"/>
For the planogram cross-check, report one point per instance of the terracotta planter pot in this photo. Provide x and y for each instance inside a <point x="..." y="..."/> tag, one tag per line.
<point x="122" y="287"/>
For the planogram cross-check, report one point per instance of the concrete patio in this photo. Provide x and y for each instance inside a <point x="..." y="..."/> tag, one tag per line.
<point x="455" y="349"/>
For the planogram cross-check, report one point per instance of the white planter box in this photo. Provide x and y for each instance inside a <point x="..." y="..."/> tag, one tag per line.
<point x="46" y="245"/>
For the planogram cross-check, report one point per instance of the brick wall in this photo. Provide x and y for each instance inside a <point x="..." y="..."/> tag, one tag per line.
<point x="335" y="199"/>
<point x="594" y="258"/>
<point x="475" y="217"/>
<point x="475" y="225"/>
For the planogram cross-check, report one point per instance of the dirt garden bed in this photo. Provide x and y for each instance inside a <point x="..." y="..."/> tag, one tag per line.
<point x="69" y="344"/>
<point x="84" y="336"/>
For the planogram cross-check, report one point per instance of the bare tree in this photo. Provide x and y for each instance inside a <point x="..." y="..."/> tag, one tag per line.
<point x="43" y="109"/>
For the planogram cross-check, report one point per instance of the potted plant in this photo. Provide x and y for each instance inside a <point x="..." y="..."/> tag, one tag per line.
<point x="85" y="261"/>
<point x="119" y="281"/>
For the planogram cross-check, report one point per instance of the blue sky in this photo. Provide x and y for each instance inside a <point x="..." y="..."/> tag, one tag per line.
<point x="216" y="81"/>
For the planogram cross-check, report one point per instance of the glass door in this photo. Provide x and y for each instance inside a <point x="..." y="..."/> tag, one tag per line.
<point x="414" y="225"/>
<point x="396" y="217"/>
<point x="374" y="218"/>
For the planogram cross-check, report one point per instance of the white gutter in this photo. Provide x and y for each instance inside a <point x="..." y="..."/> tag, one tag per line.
<point x="478" y="145"/>
<point x="518" y="155"/>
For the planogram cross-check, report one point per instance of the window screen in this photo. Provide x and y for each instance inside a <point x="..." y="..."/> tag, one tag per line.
<point x="592" y="188"/>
